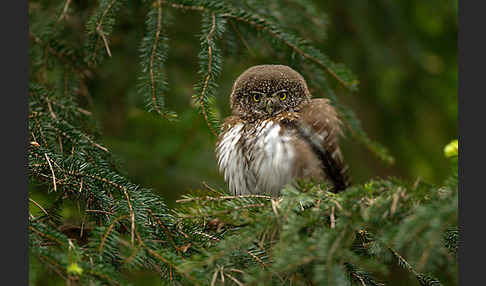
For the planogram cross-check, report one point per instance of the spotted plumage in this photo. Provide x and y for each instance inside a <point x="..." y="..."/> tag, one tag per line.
<point x="278" y="133"/>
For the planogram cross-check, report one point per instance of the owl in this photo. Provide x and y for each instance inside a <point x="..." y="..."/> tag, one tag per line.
<point x="277" y="133"/>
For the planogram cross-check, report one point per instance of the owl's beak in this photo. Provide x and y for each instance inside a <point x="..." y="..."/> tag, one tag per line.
<point x="271" y="106"/>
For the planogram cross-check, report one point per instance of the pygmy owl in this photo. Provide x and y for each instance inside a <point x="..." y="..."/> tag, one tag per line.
<point x="277" y="133"/>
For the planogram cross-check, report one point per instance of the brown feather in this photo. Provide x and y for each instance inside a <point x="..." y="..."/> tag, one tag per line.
<point x="320" y="125"/>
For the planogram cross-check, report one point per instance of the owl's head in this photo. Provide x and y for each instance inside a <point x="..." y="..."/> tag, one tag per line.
<point x="264" y="91"/>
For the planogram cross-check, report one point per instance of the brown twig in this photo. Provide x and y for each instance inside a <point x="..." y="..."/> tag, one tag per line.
<point x="49" y="106"/>
<point x="360" y="279"/>
<point x="104" y="277"/>
<point x="39" y="206"/>
<point x="62" y="57"/>
<point x="52" y="171"/>
<point x="132" y="216"/>
<point x="333" y="219"/>
<point x="393" y="207"/>
<point x="64" y="11"/>
<point x="245" y="43"/>
<point x="222" y="198"/>
<point x="105" y="41"/>
<point x="103" y="239"/>
<point x="99" y="29"/>
<point x="166" y="231"/>
<point x="152" y="57"/>
<point x="207" y="235"/>
<point x="234" y="279"/>
<point x="215" y="276"/>
<point x="209" y="39"/>
<point x="99" y="211"/>
<point x="262" y="264"/>
<point x="225" y="211"/>
<point x="54" y="265"/>
<point x="184" y="7"/>
<point x="164" y="260"/>
<point x="134" y="253"/>
<point x="46" y="235"/>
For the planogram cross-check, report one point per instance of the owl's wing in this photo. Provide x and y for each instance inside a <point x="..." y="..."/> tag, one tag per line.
<point x="320" y="125"/>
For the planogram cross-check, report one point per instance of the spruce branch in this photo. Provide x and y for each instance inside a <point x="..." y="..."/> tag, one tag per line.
<point x="210" y="62"/>
<point x="298" y="45"/>
<point x="164" y="260"/>
<point x="152" y="56"/>
<point x="153" y="53"/>
<point x="39" y="206"/>
<point x="99" y="27"/>
<point x="64" y="11"/>
<point x="166" y="231"/>
<point x="423" y="279"/>
<point x="108" y="231"/>
<point x="52" y="172"/>
<point x="209" y="39"/>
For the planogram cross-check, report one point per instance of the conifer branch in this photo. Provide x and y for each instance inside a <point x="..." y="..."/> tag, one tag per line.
<point x="182" y="6"/>
<point x="207" y="198"/>
<point x="53" y="265"/>
<point x="153" y="53"/>
<point x="152" y="56"/>
<point x="99" y="28"/>
<point x="210" y="62"/>
<point x="105" y="41"/>
<point x="39" y="206"/>
<point x="209" y="39"/>
<point x="108" y="231"/>
<point x="52" y="172"/>
<point x="260" y="23"/>
<point x="132" y="215"/>
<point x="103" y="277"/>
<point x="245" y="43"/>
<point x="164" y="260"/>
<point x="166" y="231"/>
<point x="47" y="236"/>
<point x="68" y="60"/>
<point x="64" y="11"/>
<point x="234" y="279"/>
<point x="423" y="279"/>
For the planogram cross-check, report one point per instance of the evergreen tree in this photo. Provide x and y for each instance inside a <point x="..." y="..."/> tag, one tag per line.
<point x="309" y="236"/>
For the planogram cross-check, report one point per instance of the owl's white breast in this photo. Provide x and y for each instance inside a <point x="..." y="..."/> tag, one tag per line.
<point x="256" y="160"/>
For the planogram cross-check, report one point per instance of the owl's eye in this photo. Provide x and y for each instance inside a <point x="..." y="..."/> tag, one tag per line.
<point x="282" y="95"/>
<point x="256" y="97"/>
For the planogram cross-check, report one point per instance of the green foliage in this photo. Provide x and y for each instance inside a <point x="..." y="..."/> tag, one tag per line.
<point x="209" y="68"/>
<point x="91" y="225"/>
<point x="310" y="234"/>
<point x="99" y="27"/>
<point x="153" y="53"/>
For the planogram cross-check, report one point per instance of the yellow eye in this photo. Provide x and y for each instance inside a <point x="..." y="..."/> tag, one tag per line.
<point x="256" y="97"/>
<point x="282" y="95"/>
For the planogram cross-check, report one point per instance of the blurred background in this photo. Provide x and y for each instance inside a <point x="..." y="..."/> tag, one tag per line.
<point x="404" y="54"/>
